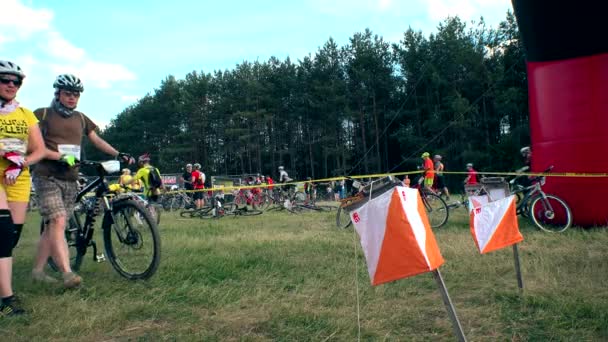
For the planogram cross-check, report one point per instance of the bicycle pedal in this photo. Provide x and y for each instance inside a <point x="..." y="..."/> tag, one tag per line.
<point x="100" y="258"/>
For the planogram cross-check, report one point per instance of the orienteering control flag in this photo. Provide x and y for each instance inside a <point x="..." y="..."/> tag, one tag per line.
<point x="493" y="224"/>
<point x="396" y="237"/>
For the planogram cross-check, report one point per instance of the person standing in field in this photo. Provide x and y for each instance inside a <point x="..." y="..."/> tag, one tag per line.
<point x="429" y="172"/>
<point x="439" y="177"/>
<point x="21" y="145"/>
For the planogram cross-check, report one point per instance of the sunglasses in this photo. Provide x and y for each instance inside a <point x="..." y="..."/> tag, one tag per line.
<point x="70" y="93"/>
<point x="16" y="83"/>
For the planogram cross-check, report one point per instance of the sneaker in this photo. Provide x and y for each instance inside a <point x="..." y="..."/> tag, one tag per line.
<point x="71" y="280"/>
<point x="43" y="277"/>
<point x="10" y="307"/>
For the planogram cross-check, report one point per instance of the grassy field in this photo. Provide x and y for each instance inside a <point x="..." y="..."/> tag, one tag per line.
<point x="284" y="277"/>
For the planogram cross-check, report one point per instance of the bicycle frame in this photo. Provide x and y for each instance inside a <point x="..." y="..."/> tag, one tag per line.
<point x="86" y="229"/>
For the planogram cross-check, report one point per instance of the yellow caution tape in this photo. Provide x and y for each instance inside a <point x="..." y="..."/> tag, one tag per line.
<point x="380" y="175"/>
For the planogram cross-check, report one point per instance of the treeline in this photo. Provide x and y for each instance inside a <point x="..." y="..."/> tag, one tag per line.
<point x="368" y="107"/>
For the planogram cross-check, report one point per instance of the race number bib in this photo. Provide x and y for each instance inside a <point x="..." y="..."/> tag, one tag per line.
<point x="13" y="145"/>
<point x="69" y="150"/>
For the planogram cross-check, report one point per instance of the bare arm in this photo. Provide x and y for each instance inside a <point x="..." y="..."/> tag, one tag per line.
<point x="102" y="145"/>
<point x="35" y="145"/>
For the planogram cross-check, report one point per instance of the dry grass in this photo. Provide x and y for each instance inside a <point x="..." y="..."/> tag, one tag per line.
<point x="282" y="277"/>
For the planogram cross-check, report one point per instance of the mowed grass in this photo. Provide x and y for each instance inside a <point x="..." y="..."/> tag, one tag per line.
<point x="282" y="277"/>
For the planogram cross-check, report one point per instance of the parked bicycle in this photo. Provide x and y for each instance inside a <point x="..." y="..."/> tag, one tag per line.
<point x="131" y="239"/>
<point x="283" y="198"/>
<point x="177" y="200"/>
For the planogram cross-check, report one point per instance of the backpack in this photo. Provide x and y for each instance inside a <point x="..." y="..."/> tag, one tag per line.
<point x="154" y="178"/>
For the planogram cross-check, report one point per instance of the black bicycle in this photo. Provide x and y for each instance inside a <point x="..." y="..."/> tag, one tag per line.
<point x="130" y="234"/>
<point x="548" y="212"/>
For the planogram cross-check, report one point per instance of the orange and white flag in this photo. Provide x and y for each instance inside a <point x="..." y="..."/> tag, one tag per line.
<point x="396" y="237"/>
<point x="493" y="224"/>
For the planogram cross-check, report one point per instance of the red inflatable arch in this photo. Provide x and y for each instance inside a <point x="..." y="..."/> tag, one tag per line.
<point x="567" y="60"/>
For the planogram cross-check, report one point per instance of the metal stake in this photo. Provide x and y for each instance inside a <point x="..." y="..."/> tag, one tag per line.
<point x="448" y="305"/>
<point x="520" y="282"/>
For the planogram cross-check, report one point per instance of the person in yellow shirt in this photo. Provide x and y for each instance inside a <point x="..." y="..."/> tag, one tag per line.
<point x="126" y="180"/>
<point x="143" y="175"/>
<point x="21" y="145"/>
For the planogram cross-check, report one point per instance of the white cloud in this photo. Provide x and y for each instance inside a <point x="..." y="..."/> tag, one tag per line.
<point x="384" y="5"/>
<point x="20" y="22"/>
<point x="33" y="28"/>
<point x="464" y="9"/>
<point x="58" y="47"/>
<point x="98" y="74"/>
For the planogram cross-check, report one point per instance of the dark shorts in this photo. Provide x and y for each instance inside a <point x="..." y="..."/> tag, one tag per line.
<point x="55" y="197"/>
<point x="439" y="183"/>
<point x="198" y="195"/>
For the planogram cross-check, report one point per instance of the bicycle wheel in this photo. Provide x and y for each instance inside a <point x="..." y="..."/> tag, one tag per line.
<point x="189" y="213"/>
<point x="436" y="210"/>
<point x="323" y="208"/>
<point x="265" y="202"/>
<point x="165" y="201"/>
<point x="131" y="240"/>
<point x="208" y="213"/>
<point x="343" y="218"/>
<point x="72" y="236"/>
<point x="299" y="197"/>
<point x="550" y="214"/>
<point x="248" y="212"/>
<point x="229" y="208"/>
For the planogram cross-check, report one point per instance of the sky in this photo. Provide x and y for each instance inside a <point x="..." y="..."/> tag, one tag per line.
<point x="122" y="50"/>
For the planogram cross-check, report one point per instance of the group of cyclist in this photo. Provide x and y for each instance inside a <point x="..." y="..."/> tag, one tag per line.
<point x="49" y="137"/>
<point x="195" y="180"/>
<point x="433" y="174"/>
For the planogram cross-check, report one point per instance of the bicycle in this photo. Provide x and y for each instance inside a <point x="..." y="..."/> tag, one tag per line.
<point x="127" y="227"/>
<point x="177" y="200"/>
<point x="548" y="212"/>
<point x="284" y="197"/>
<point x="220" y="209"/>
<point x="436" y="209"/>
<point x="486" y="186"/>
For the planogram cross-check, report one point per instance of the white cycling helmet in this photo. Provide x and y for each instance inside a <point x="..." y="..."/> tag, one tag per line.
<point x="11" y="68"/>
<point x="438" y="157"/>
<point x="188" y="165"/>
<point x="281" y="168"/>
<point x="197" y="165"/>
<point x="68" y="82"/>
<point x="469" y="165"/>
<point x="525" y="150"/>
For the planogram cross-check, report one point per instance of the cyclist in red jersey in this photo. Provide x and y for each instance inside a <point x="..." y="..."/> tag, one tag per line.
<point x="471" y="175"/>
<point x="429" y="170"/>
<point x="198" y="183"/>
